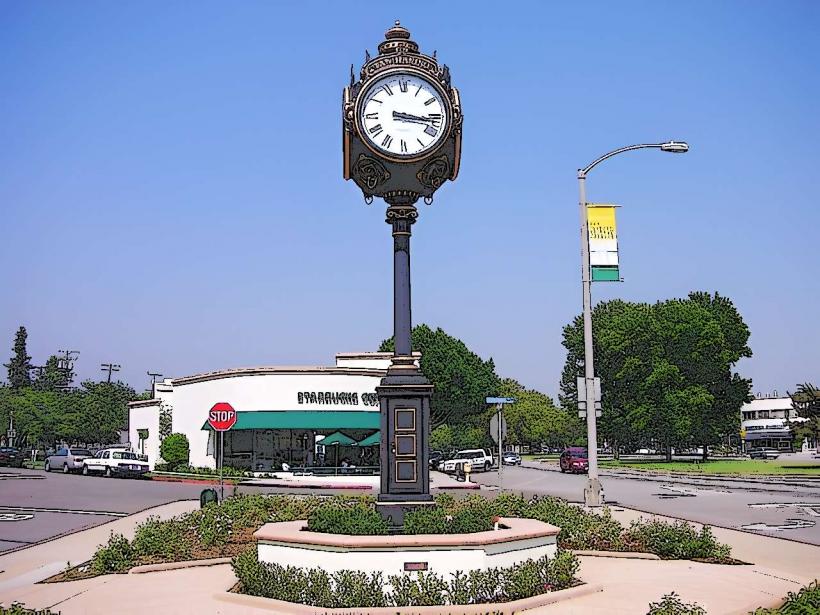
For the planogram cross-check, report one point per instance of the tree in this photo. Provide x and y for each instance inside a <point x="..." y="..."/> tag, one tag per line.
<point x="53" y="377"/>
<point x="19" y="367"/>
<point x="666" y="370"/>
<point x="807" y="403"/>
<point x="175" y="450"/>
<point x="534" y="418"/>
<point x="104" y="410"/>
<point x="728" y="389"/>
<point x="461" y="378"/>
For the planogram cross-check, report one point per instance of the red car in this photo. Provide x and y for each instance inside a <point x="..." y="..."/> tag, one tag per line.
<point x="574" y="459"/>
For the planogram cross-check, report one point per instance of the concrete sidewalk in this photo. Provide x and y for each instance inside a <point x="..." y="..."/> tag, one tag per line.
<point x="630" y="585"/>
<point x="37" y="562"/>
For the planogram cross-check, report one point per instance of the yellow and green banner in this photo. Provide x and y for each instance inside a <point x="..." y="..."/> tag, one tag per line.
<point x="603" y="243"/>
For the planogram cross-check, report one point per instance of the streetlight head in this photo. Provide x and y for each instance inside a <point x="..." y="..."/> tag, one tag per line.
<point x="676" y="147"/>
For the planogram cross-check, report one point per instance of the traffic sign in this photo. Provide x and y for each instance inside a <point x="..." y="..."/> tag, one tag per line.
<point x="494" y="426"/>
<point x="222" y="417"/>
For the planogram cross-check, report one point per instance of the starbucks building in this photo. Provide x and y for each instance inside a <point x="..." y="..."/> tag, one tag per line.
<point x="314" y="417"/>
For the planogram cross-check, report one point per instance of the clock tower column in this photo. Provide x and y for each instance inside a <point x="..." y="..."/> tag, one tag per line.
<point x="393" y="170"/>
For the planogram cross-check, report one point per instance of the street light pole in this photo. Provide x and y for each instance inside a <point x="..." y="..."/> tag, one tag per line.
<point x="593" y="492"/>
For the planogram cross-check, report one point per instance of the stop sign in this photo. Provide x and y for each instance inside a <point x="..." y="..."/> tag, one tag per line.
<point x="222" y="416"/>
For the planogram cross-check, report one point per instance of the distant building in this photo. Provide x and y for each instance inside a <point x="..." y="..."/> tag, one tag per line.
<point x="764" y="422"/>
<point x="283" y="414"/>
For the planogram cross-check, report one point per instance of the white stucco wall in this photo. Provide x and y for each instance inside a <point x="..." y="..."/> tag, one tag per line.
<point x="145" y="417"/>
<point x="191" y="399"/>
<point x="441" y="560"/>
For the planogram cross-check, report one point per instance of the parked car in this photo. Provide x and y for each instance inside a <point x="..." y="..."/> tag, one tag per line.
<point x="12" y="457"/>
<point x="764" y="453"/>
<point x="574" y="459"/>
<point x="436" y="457"/>
<point x="478" y="459"/>
<point x="114" y="462"/>
<point x="68" y="459"/>
<point x="511" y="459"/>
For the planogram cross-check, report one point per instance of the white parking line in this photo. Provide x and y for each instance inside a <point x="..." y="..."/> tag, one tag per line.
<point x="62" y="510"/>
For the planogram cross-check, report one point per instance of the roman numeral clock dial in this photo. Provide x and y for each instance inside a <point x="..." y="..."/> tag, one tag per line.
<point x="403" y="116"/>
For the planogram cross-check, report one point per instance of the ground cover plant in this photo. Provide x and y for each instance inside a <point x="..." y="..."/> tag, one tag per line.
<point x="671" y="604"/>
<point x="804" y="602"/>
<point x="355" y="589"/>
<point x="722" y="466"/>
<point x="18" y="609"/>
<point x="226" y="529"/>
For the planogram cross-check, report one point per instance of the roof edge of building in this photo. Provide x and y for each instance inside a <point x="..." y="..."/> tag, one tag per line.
<point x="144" y="403"/>
<point x="264" y="371"/>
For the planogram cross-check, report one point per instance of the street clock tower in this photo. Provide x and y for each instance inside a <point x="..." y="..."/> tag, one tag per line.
<point x="401" y="136"/>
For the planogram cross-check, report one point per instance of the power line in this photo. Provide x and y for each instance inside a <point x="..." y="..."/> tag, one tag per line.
<point x="110" y="367"/>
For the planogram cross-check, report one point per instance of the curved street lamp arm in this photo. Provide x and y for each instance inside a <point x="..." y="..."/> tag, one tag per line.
<point x="628" y="148"/>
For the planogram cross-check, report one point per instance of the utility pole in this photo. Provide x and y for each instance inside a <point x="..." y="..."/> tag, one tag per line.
<point x="109" y="367"/>
<point x="154" y="376"/>
<point x="67" y="363"/>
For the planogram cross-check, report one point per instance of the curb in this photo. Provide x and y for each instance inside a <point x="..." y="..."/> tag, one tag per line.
<point x="461" y="486"/>
<point x="500" y="608"/>
<point x="289" y="485"/>
<point x="189" y="481"/>
<point x="616" y="554"/>
<point x="194" y="563"/>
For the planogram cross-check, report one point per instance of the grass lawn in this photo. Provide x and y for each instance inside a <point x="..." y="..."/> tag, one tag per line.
<point x="733" y="466"/>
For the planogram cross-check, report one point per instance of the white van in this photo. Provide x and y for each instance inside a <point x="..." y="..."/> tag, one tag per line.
<point x="477" y="458"/>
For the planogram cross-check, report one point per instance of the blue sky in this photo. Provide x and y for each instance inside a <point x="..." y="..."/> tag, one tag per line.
<point x="172" y="198"/>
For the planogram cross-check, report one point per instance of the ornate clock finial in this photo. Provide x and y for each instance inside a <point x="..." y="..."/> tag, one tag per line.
<point x="366" y="56"/>
<point x="397" y="40"/>
<point x="352" y="77"/>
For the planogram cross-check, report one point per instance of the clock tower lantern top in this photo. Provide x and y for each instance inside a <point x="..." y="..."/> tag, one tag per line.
<point x="397" y="40"/>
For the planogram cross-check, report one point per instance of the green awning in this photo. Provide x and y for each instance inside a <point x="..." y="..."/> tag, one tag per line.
<point x="337" y="437"/>
<point x="305" y="419"/>
<point x="371" y="440"/>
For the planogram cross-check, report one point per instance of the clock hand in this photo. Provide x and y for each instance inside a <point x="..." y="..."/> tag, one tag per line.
<point x="407" y="117"/>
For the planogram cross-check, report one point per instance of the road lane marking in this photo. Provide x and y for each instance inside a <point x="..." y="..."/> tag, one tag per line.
<point x="15" y="517"/>
<point x="62" y="510"/>
<point x="791" y="524"/>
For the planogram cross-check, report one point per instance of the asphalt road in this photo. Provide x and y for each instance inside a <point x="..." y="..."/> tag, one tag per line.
<point x="36" y="506"/>
<point x="775" y="506"/>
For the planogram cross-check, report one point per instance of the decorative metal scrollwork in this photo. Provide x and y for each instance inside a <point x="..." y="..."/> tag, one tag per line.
<point x="370" y="172"/>
<point x="435" y="172"/>
<point x="402" y="213"/>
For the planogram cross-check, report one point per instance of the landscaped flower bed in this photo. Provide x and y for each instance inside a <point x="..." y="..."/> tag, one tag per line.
<point x="356" y="589"/>
<point x="226" y="529"/>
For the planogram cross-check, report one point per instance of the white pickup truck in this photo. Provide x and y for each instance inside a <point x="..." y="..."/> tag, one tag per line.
<point x="114" y="462"/>
<point x="478" y="460"/>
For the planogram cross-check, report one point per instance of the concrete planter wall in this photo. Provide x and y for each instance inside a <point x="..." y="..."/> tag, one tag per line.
<point x="518" y="540"/>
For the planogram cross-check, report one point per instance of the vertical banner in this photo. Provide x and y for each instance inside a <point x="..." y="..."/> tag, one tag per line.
<point x="603" y="243"/>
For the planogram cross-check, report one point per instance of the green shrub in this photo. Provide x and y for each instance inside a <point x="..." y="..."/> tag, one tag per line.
<point x="214" y="525"/>
<point x="450" y="516"/>
<point x="526" y="579"/>
<point x="166" y="540"/>
<point x="293" y="508"/>
<point x="356" y="589"/>
<point x="175" y="450"/>
<point x="116" y="556"/>
<point x="353" y="588"/>
<point x="671" y="604"/>
<point x="579" y="529"/>
<point x="678" y="540"/>
<point x="562" y="569"/>
<point x="426" y="520"/>
<point x="352" y="519"/>
<point x="803" y="602"/>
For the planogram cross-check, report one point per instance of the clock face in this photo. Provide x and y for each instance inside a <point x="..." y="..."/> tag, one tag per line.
<point x="403" y="116"/>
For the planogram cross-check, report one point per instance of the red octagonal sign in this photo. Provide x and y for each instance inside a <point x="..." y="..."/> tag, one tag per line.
<point x="222" y="416"/>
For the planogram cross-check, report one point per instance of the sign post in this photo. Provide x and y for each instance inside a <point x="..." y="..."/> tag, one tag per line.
<point x="498" y="428"/>
<point x="221" y="418"/>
